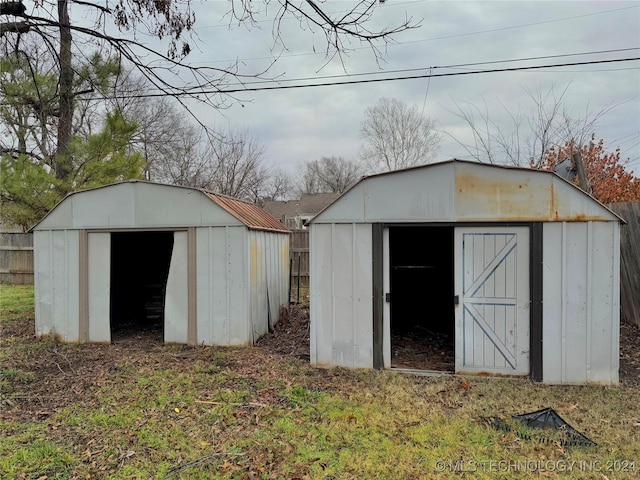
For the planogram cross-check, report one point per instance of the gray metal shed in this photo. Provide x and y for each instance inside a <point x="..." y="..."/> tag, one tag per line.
<point x="211" y="269"/>
<point x="518" y="268"/>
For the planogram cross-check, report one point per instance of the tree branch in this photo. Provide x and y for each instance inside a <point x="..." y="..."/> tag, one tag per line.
<point x="93" y="5"/>
<point x="14" y="27"/>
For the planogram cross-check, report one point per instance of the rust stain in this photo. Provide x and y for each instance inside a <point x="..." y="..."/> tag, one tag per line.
<point x="553" y="207"/>
<point x="516" y="201"/>
<point x="488" y="186"/>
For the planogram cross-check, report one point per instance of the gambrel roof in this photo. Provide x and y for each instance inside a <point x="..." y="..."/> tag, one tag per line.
<point x="463" y="191"/>
<point x="141" y="204"/>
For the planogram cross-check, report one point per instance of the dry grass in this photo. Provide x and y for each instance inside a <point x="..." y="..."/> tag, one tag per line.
<point x="142" y="410"/>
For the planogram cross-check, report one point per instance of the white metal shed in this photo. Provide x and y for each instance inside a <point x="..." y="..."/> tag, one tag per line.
<point x="518" y="268"/>
<point x="211" y="269"/>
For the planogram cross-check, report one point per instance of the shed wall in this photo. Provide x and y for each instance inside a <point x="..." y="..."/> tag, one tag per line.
<point x="581" y="311"/>
<point x="269" y="260"/>
<point x="341" y="295"/>
<point x="222" y="286"/>
<point x="57" y="281"/>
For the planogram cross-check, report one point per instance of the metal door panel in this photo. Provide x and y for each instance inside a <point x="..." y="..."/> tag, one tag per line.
<point x="99" y="287"/>
<point x="492" y="285"/>
<point x="176" y="307"/>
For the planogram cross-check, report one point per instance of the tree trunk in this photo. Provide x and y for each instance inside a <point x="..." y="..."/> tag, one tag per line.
<point x="584" y="183"/>
<point x="62" y="161"/>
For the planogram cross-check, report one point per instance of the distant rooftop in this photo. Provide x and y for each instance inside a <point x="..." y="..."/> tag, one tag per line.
<point x="307" y="204"/>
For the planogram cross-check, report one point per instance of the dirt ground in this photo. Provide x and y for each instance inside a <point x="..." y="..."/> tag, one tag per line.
<point x="421" y="349"/>
<point x="291" y="338"/>
<point x="68" y="375"/>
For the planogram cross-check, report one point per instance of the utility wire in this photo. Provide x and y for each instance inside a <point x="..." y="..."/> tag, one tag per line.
<point x="374" y="80"/>
<point x="459" y="65"/>
<point x="426" y="93"/>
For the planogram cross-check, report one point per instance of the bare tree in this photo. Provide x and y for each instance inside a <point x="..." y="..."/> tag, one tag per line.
<point x="328" y="175"/>
<point x="278" y="187"/>
<point x="397" y="136"/>
<point x="236" y="166"/>
<point x="172" y="20"/>
<point x="168" y="139"/>
<point x="527" y="135"/>
<point x="230" y="164"/>
<point x="178" y="151"/>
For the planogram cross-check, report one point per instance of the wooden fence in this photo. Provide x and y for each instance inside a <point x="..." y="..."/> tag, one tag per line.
<point x="16" y="258"/>
<point x="299" y="258"/>
<point x="629" y="261"/>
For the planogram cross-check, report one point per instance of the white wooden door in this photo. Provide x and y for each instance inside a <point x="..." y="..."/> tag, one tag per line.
<point x="492" y="289"/>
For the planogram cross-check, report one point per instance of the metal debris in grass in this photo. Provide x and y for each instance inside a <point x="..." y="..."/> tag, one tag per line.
<point x="556" y="430"/>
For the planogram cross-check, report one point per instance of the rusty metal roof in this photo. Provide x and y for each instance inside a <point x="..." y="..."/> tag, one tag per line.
<point x="251" y="215"/>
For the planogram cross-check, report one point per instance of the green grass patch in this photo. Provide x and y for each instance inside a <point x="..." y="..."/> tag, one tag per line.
<point x="32" y="456"/>
<point x="149" y="411"/>
<point x="16" y="303"/>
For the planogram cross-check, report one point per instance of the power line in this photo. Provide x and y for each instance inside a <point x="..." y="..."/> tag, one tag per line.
<point x="376" y="80"/>
<point x="460" y="65"/>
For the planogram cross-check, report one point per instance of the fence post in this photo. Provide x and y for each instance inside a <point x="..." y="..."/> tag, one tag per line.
<point x="290" y="278"/>
<point x="299" y="263"/>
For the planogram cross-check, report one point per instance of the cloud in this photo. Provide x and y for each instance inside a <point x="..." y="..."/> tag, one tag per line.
<point x="308" y="123"/>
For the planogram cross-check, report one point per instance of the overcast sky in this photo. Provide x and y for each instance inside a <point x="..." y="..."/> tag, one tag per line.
<point x="303" y="124"/>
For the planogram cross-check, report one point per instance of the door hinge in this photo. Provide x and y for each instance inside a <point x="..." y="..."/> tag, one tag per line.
<point x="456" y="300"/>
<point x="387" y="297"/>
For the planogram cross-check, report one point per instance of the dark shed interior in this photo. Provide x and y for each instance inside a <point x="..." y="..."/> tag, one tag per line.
<point x="422" y="297"/>
<point x="139" y="272"/>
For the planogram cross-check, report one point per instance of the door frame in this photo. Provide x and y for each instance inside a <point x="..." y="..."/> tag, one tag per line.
<point x="381" y="311"/>
<point x="84" y="300"/>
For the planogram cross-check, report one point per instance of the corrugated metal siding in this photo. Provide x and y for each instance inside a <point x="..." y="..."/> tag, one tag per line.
<point x="341" y="294"/>
<point x="269" y="288"/>
<point x="57" y="282"/>
<point x="222" y="286"/>
<point x="581" y="311"/>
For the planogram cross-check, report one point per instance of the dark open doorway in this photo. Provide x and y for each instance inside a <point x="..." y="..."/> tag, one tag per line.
<point x="422" y="294"/>
<point x="139" y="271"/>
